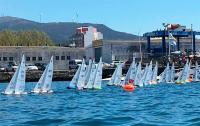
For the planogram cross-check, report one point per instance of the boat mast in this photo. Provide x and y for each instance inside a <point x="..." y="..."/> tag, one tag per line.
<point x="140" y="49"/>
<point x="192" y="39"/>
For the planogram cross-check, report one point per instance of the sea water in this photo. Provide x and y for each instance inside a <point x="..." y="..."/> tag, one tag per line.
<point x="164" y="104"/>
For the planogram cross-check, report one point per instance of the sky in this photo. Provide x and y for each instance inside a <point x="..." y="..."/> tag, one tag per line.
<point x="131" y="16"/>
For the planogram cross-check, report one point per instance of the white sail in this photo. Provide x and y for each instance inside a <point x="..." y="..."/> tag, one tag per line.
<point x="90" y="82"/>
<point x="98" y="76"/>
<point x="172" y="74"/>
<point x="138" y="74"/>
<point x="183" y="75"/>
<point x="162" y="76"/>
<point x="118" y="76"/>
<point x="148" y="74"/>
<point x="111" y="81"/>
<point x="133" y="71"/>
<point x="38" y="86"/>
<point x="165" y="75"/>
<point x="196" y="73"/>
<point x="129" y="73"/>
<point x="20" y="78"/>
<point x="154" y="74"/>
<point x="48" y="77"/>
<point x="74" y="80"/>
<point x="142" y="80"/>
<point x="81" y="79"/>
<point x="188" y="73"/>
<point x="127" y="76"/>
<point x="179" y="77"/>
<point x="168" y="74"/>
<point x="11" y="86"/>
<point x="88" y="70"/>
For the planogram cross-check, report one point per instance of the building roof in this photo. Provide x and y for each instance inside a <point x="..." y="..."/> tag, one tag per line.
<point x="160" y="33"/>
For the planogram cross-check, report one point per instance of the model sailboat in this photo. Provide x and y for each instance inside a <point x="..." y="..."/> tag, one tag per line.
<point x="167" y="76"/>
<point x="74" y="81"/>
<point x="131" y="72"/>
<point x="98" y="76"/>
<point x="196" y="73"/>
<point x="116" y="77"/>
<point x="138" y="75"/>
<point x="144" y="74"/>
<point x="44" y="83"/>
<point x="81" y="78"/>
<point x="184" y="75"/>
<point x="17" y="83"/>
<point x="88" y="71"/>
<point x="154" y="74"/>
<point x="90" y="83"/>
<point x="148" y="74"/>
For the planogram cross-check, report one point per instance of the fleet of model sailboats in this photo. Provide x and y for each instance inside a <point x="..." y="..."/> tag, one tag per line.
<point x="90" y="76"/>
<point x="17" y="83"/>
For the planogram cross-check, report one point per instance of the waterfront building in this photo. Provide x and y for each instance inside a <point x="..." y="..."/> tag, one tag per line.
<point x="185" y="39"/>
<point x="84" y="36"/>
<point x="122" y="50"/>
<point x="37" y="54"/>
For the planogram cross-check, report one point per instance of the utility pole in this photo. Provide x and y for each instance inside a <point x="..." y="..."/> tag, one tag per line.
<point x="40" y="18"/>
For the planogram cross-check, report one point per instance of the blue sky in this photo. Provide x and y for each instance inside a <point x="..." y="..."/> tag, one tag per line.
<point x="130" y="16"/>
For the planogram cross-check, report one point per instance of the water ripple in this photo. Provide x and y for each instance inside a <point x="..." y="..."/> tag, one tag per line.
<point x="162" y="105"/>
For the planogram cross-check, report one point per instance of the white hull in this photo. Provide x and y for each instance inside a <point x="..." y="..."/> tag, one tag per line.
<point x="4" y="93"/>
<point x="47" y="91"/>
<point x="106" y="79"/>
<point x="20" y="93"/>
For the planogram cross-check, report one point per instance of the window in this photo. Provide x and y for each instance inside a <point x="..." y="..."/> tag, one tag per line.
<point x="57" y="57"/>
<point x="62" y="57"/>
<point x="28" y="58"/>
<point x="68" y="58"/>
<point x="33" y="58"/>
<point x="10" y="58"/>
<point x="4" y="58"/>
<point x="39" y="58"/>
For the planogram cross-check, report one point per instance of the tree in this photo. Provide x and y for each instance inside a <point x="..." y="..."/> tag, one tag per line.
<point x="24" y="38"/>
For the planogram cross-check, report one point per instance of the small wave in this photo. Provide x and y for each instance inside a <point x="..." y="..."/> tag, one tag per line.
<point x="194" y="120"/>
<point x="92" y="122"/>
<point x="42" y="122"/>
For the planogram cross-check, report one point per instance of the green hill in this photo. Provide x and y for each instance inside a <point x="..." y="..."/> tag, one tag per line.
<point x="61" y="31"/>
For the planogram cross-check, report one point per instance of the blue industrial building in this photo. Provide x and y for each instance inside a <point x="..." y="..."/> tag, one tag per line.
<point x="176" y="32"/>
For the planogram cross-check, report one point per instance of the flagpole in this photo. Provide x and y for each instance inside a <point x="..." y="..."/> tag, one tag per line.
<point x="169" y="46"/>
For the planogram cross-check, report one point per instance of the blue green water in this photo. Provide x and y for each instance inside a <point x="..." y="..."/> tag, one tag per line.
<point x="163" y="105"/>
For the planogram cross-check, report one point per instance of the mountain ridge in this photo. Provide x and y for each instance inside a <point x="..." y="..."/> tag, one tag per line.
<point x="60" y="32"/>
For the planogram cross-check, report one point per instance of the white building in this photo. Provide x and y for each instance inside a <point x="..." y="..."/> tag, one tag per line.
<point x="90" y="34"/>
